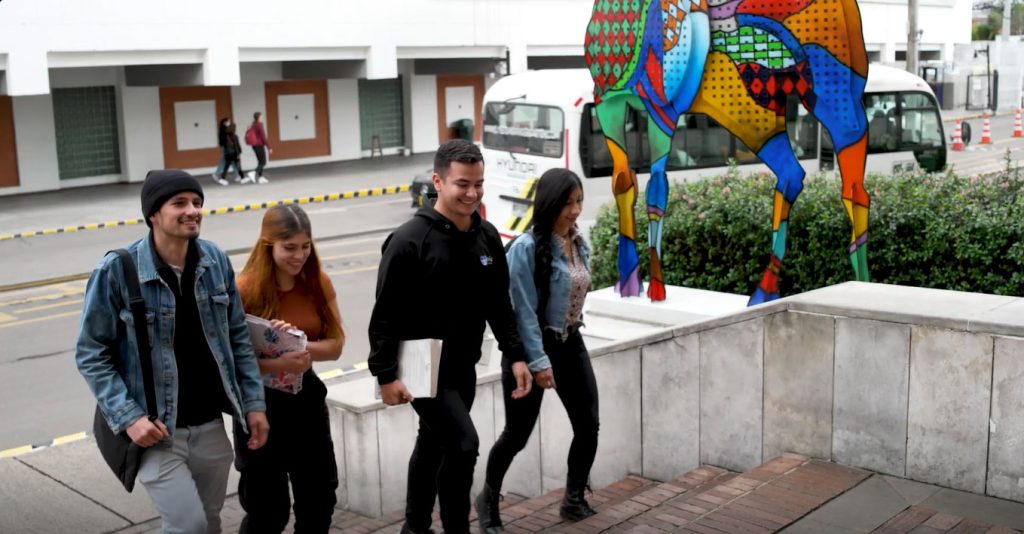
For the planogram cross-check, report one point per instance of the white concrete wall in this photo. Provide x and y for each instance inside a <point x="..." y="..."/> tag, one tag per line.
<point x="36" y="145"/>
<point x="142" y="142"/>
<point x="343" y="107"/>
<point x="43" y="33"/>
<point x="917" y="383"/>
<point x="423" y="112"/>
<point x="47" y="32"/>
<point x="943" y="24"/>
<point x="248" y="98"/>
<point x="56" y="43"/>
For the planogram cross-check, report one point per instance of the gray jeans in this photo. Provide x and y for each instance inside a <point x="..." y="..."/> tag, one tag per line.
<point x="188" y="478"/>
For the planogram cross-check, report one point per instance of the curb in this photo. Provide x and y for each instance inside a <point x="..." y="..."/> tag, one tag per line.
<point x="78" y="436"/>
<point x="371" y="192"/>
<point x="976" y="116"/>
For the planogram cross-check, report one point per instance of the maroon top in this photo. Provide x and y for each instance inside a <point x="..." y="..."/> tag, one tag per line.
<point x="261" y="134"/>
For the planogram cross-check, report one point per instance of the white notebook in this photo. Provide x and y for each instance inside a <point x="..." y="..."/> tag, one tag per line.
<point x="418" y="363"/>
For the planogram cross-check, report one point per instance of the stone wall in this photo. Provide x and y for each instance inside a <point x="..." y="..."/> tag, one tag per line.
<point x="916" y="383"/>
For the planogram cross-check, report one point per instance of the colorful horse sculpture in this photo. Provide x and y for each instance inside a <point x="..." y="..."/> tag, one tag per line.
<point x="736" y="61"/>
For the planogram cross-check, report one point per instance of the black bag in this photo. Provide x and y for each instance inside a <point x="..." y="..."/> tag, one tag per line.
<point x="119" y="451"/>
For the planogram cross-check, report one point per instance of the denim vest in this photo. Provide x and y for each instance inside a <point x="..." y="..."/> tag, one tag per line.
<point x="524" y="295"/>
<point x="107" y="335"/>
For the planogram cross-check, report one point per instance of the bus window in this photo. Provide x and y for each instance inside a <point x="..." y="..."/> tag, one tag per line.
<point x="922" y="130"/>
<point x="802" y="128"/>
<point x="699" y="141"/>
<point x="906" y="122"/>
<point x="524" y="129"/>
<point x="920" y="122"/>
<point x="880" y="109"/>
<point x="594" y="155"/>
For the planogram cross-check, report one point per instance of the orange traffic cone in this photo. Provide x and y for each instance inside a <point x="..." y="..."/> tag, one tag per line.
<point x="986" y="132"/>
<point x="1017" y="132"/>
<point x="958" y="142"/>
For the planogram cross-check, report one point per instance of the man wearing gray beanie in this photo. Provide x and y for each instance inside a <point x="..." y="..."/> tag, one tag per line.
<point x="202" y="359"/>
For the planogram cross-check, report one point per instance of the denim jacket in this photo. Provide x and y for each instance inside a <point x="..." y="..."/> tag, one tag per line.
<point x="524" y="295"/>
<point x="107" y="332"/>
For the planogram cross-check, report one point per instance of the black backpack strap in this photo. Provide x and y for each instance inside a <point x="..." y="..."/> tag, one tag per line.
<point x="138" y="307"/>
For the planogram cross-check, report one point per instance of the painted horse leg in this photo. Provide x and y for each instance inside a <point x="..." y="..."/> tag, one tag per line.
<point x="611" y="115"/>
<point x="624" y="188"/>
<point x="778" y="155"/>
<point x="657" y="202"/>
<point x="855" y="199"/>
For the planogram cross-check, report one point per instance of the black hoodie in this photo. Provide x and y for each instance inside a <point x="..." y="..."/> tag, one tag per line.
<point x="435" y="281"/>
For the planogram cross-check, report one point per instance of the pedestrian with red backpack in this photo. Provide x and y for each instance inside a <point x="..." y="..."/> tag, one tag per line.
<point x="256" y="137"/>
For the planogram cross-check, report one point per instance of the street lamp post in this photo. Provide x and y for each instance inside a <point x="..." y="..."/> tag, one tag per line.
<point x="988" y="74"/>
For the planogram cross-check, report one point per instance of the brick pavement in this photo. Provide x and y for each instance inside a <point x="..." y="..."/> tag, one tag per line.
<point x="924" y="520"/>
<point x="707" y="500"/>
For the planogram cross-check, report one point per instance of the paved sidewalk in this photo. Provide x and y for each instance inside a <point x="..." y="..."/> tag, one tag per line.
<point x="67" y="489"/>
<point x="96" y="204"/>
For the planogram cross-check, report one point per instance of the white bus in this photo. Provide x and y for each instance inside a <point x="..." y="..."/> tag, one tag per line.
<point x="538" y="120"/>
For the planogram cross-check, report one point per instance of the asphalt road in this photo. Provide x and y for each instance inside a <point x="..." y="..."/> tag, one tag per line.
<point x="41" y="392"/>
<point x="977" y="158"/>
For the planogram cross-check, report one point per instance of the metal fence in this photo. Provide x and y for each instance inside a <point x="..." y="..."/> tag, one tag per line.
<point x="981" y="90"/>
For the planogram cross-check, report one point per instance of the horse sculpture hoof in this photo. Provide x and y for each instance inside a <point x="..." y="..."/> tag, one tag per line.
<point x="631" y="286"/>
<point x="760" y="297"/>
<point x="656" y="290"/>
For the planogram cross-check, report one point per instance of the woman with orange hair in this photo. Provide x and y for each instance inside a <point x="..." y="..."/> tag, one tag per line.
<point x="283" y="282"/>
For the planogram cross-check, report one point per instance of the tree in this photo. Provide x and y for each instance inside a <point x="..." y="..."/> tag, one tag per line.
<point x="991" y="27"/>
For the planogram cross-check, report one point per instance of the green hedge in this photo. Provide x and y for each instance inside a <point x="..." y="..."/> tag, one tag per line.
<point x="940" y="231"/>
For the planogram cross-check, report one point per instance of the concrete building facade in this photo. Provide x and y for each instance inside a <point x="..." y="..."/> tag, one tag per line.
<point x="95" y="93"/>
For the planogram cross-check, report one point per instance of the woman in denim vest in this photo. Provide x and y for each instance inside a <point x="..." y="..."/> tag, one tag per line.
<point x="550" y="276"/>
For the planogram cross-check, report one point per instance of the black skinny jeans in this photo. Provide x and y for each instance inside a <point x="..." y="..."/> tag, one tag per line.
<point x="444" y="457"/>
<point x="298" y="449"/>
<point x="575" y="386"/>
<point x="261" y="158"/>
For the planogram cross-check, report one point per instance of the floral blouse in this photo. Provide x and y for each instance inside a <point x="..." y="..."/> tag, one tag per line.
<point x="580" y="280"/>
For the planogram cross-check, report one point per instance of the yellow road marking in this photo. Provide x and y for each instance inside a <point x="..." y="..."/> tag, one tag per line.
<point x="40" y="319"/>
<point x="5" y="318"/>
<point x="48" y="306"/>
<point x="327" y="375"/>
<point x="70" y="292"/>
<point x="362" y="366"/>
<point x="69" y="438"/>
<point x="15" y="451"/>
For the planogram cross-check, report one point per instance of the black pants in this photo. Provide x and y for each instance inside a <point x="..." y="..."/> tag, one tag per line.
<point x="261" y="159"/>
<point x="232" y="159"/>
<point x="575" y="386"/>
<point x="299" y="449"/>
<point x="445" y="454"/>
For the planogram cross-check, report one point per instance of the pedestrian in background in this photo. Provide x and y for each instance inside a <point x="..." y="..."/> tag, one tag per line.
<point x="202" y="359"/>
<point x="283" y="282"/>
<point x="256" y="136"/>
<point x="442" y="275"/>
<point x="222" y="131"/>
<point x="550" y="276"/>
<point x="233" y="155"/>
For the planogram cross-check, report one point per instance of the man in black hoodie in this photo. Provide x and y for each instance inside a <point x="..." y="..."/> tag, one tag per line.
<point x="442" y="274"/>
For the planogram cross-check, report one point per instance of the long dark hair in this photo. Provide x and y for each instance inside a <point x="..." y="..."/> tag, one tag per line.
<point x="553" y="190"/>
<point x="222" y="131"/>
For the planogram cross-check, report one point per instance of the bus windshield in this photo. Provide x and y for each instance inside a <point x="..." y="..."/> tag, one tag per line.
<point x="906" y="122"/>
<point x="524" y="129"/>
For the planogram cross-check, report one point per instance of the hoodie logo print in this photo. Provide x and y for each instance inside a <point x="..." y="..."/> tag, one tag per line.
<point x="486" y="260"/>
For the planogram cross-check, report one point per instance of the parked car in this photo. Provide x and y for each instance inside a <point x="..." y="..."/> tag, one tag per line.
<point x="422" y="189"/>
